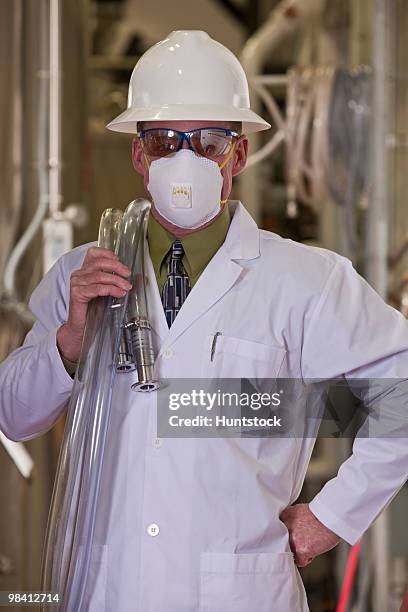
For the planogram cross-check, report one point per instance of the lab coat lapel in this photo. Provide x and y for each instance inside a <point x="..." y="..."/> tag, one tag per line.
<point x="222" y="272"/>
<point x="218" y="277"/>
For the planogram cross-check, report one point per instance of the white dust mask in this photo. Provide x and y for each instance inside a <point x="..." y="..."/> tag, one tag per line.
<point x="186" y="188"/>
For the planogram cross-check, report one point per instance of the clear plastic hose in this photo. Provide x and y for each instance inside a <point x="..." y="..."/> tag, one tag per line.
<point x="137" y="324"/>
<point x="76" y="508"/>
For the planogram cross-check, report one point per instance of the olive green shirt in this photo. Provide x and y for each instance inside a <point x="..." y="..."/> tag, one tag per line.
<point x="199" y="248"/>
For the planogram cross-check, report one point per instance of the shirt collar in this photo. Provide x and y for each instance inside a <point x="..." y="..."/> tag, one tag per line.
<point x="199" y="247"/>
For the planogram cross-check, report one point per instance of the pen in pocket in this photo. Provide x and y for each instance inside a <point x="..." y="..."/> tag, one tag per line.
<point x="214" y="343"/>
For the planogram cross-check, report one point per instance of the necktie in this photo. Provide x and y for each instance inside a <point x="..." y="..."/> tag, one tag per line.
<point x="177" y="286"/>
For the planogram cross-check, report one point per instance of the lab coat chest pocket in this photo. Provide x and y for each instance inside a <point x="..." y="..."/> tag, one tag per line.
<point x="265" y="582"/>
<point x="226" y="356"/>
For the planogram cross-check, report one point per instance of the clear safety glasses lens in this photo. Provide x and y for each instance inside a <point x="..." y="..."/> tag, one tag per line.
<point x="211" y="142"/>
<point x="208" y="142"/>
<point x="159" y="143"/>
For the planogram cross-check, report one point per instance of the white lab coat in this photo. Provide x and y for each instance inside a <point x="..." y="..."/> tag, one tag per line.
<point x="284" y="309"/>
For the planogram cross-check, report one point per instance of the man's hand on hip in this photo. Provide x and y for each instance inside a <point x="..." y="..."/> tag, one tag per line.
<point x="308" y="537"/>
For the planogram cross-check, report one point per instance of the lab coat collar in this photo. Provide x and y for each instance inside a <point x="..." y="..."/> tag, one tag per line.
<point x="242" y="241"/>
<point x="221" y="273"/>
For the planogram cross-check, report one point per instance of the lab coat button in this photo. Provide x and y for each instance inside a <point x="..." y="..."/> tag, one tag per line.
<point x="157" y="442"/>
<point x="168" y="353"/>
<point x="153" y="530"/>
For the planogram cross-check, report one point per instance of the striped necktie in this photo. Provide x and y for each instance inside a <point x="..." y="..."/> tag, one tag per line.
<point x="177" y="286"/>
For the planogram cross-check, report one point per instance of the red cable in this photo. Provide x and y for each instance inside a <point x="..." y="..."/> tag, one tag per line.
<point x="349" y="575"/>
<point x="404" y="605"/>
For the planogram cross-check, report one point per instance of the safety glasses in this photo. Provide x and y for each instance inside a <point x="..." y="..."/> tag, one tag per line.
<point x="208" y="142"/>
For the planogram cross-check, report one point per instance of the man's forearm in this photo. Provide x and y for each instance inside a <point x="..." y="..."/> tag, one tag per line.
<point x="34" y="389"/>
<point x="349" y="503"/>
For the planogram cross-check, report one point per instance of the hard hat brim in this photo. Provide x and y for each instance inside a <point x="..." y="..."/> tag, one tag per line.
<point x="127" y="121"/>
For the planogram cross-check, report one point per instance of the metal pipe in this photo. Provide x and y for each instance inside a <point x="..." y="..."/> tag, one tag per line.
<point x="377" y="248"/>
<point x="283" y="21"/>
<point x="46" y="87"/>
<point x="55" y="164"/>
<point x="19" y="455"/>
<point x="10" y="298"/>
<point x="377" y="239"/>
<point x="273" y="80"/>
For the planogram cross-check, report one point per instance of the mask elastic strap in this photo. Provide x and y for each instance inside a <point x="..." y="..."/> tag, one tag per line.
<point x="145" y="156"/>
<point x="224" y="163"/>
<point x="230" y="154"/>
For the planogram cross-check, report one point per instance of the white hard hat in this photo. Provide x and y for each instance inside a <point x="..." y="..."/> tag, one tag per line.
<point x="188" y="76"/>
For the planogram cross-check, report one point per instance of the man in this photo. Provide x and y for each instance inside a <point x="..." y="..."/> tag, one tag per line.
<point x="210" y="524"/>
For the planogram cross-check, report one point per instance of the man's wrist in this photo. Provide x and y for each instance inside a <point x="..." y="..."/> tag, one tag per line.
<point x="68" y="345"/>
<point x="70" y="366"/>
<point x="322" y="509"/>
